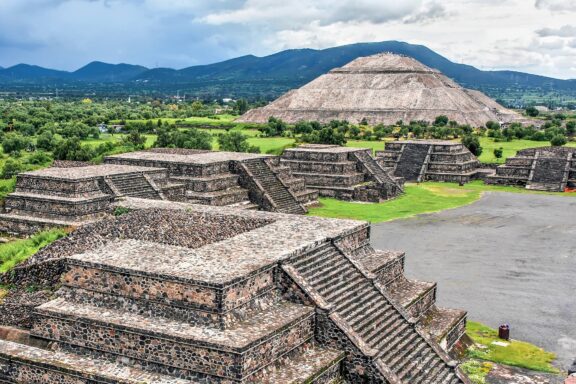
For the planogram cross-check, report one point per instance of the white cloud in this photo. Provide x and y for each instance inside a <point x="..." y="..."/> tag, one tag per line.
<point x="563" y="31"/>
<point x="490" y="34"/>
<point x="557" y="5"/>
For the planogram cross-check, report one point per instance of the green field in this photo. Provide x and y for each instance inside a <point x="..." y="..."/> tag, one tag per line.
<point x="509" y="148"/>
<point x="516" y="353"/>
<point x="418" y="198"/>
<point x="17" y="251"/>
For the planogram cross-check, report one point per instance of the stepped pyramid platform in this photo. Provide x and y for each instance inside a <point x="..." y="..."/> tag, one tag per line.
<point x="227" y="178"/>
<point x="383" y="89"/>
<point x="342" y="172"/>
<point x="185" y="293"/>
<point x="73" y="196"/>
<point x="431" y="160"/>
<point x="551" y="169"/>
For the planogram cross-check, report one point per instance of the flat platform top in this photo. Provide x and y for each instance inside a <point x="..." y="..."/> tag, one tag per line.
<point x="426" y="142"/>
<point x="77" y="173"/>
<point x="326" y="149"/>
<point x="195" y="158"/>
<point x="221" y="261"/>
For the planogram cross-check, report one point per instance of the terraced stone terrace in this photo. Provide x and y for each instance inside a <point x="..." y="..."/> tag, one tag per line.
<point x="227" y="178"/>
<point x="431" y="160"/>
<point x="73" y="196"/>
<point x="191" y="293"/>
<point x="550" y="169"/>
<point x="342" y="172"/>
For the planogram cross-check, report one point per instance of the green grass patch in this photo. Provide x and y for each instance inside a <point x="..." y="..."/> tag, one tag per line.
<point x="476" y="370"/>
<point x="517" y="353"/>
<point x="17" y="251"/>
<point x="418" y="199"/>
<point x="509" y="148"/>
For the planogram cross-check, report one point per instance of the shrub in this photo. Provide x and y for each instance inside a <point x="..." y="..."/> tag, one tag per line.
<point x="236" y="142"/>
<point x="558" y="140"/>
<point x="15" y="142"/>
<point x="532" y="111"/>
<point x="39" y="158"/>
<point x="498" y="152"/>
<point x="11" y="168"/>
<point x="71" y="149"/>
<point x="473" y="144"/>
<point x="46" y="141"/>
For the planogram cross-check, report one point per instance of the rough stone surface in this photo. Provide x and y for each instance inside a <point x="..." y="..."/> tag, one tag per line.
<point x="383" y="88"/>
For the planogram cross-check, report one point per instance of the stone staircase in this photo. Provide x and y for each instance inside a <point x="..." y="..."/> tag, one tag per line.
<point x="341" y="172"/>
<point x="378" y="172"/>
<point x="134" y="185"/>
<point x="550" y="173"/>
<point x="282" y="199"/>
<point x="377" y="326"/>
<point x="430" y="160"/>
<point x="551" y="169"/>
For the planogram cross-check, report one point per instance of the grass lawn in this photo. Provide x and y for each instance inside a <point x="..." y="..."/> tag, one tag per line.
<point x="477" y="370"/>
<point x="509" y="148"/>
<point x="17" y="251"/>
<point x="516" y="353"/>
<point x="418" y="198"/>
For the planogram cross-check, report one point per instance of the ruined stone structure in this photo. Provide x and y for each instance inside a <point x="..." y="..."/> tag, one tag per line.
<point x="430" y="160"/>
<point x="72" y="195"/>
<point x="383" y="88"/>
<point x="342" y="172"/>
<point x="63" y="197"/>
<point x="227" y="178"/>
<point x="197" y="294"/>
<point x="545" y="169"/>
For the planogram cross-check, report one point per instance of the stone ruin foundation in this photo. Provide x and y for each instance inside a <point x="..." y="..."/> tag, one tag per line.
<point x="342" y="172"/>
<point x="431" y="160"/>
<point x="550" y="169"/>
<point x="73" y="194"/>
<point x="187" y="293"/>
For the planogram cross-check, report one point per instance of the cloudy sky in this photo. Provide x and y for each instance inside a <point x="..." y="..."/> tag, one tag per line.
<point x="536" y="36"/>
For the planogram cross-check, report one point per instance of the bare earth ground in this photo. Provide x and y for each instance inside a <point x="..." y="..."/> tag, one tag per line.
<point x="508" y="258"/>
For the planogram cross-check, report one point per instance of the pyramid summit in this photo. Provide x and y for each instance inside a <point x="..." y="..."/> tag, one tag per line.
<point x="383" y="88"/>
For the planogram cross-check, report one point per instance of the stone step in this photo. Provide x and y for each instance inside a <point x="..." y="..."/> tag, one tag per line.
<point x="208" y="183"/>
<point x="414" y="295"/>
<point x="307" y="196"/>
<point x="313" y="180"/>
<point x="234" y="353"/>
<point x="136" y="274"/>
<point x="301" y="261"/>
<point x="308" y="364"/>
<point x="444" y="325"/>
<point x="387" y="265"/>
<point x="321" y="167"/>
<point x="23" y="364"/>
<point x="223" y="197"/>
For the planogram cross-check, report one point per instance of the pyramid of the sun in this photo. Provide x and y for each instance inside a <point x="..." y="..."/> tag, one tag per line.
<point x="383" y="88"/>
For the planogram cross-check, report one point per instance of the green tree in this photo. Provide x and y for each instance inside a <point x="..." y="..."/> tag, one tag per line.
<point x="498" y="152"/>
<point x="558" y="140"/>
<point x="473" y="144"/>
<point x="236" y="142"/>
<point x="71" y="149"/>
<point x="15" y="142"/>
<point x="11" y="168"/>
<point x="532" y="111"/>
<point x="134" y="139"/>
<point x="571" y="127"/>
<point x="46" y="141"/>
<point x="241" y="106"/>
<point x="441" y="121"/>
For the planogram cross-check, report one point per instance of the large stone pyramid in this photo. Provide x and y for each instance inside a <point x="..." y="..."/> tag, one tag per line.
<point x="383" y="88"/>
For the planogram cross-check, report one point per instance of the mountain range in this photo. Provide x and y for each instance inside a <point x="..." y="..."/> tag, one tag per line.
<point x="281" y="71"/>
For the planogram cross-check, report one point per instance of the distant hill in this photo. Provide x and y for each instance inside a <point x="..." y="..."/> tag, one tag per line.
<point x="99" y="72"/>
<point x="273" y="74"/>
